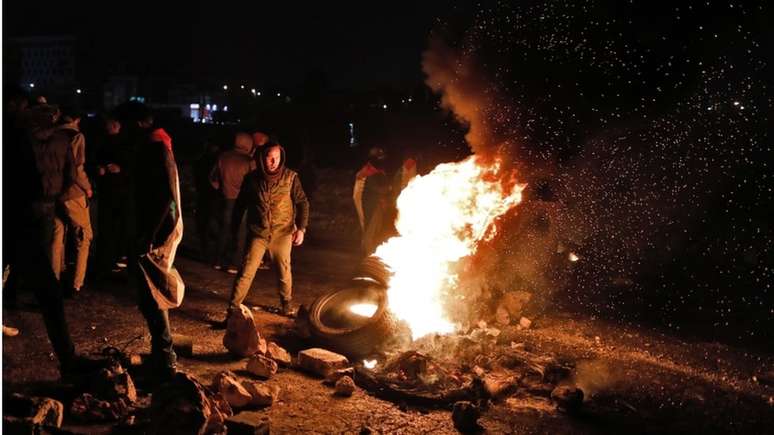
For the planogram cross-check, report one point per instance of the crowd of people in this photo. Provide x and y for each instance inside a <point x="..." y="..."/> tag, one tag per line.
<point x="53" y="173"/>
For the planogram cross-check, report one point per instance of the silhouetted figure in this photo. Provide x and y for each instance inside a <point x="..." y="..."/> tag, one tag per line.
<point x="206" y="196"/>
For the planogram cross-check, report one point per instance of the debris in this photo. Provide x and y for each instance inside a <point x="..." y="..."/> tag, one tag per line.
<point x="345" y="386"/>
<point x="524" y="323"/>
<point x="569" y="398"/>
<point x="261" y="366"/>
<point x="320" y="361"/>
<point x="91" y="409"/>
<point x="242" y="337"/>
<point x="248" y="423"/>
<point x="236" y="395"/>
<point x="184" y="405"/>
<point x="35" y="411"/>
<point x="511" y="306"/>
<point x="9" y="331"/>
<point x="499" y="385"/>
<point x="278" y="354"/>
<point x="261" y="394"/>
<point x="334" y="376"/>
<point x="478" y="371"/>
<point x="183" y="345"/>
<point x="114" y="383"/>
<point x="465" y="416"/>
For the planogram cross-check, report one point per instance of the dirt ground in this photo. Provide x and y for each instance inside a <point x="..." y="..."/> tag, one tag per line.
<point x="635" y="379"/>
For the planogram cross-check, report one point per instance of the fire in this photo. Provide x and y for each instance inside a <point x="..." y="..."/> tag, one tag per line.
<point x="365" y="310"/>
<point x="441" y="218"/>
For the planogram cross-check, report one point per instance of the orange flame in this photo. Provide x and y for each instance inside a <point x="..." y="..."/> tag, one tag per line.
<point x="441" y="218"/>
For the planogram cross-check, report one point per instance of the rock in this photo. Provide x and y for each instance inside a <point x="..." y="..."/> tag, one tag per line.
<point x="345" y="386"/>
<point x="278" y="354"/>
<point x="301" y="326"/>
<point x="335" y="375"/>
<point x="185" y="406"/>
<point x="524" y="323"/>
<point x="261" y="394"/>
<point x="499" y="385"/>
<point x="321" y="362"/>
<point x="42" y="411"/>
<point x="502" y="317"/>
<point x="91" y="409"/>
<point x="9" y="331"/>
<point x="233" y="391"/>
<point x="568" y="398"/>
<point x="113" y="383"/>
<point x="248" y="423"/>
<point x="135" y="360"/>
<point x="465" y="416"/>
<point x="242" y="337"/>
<point x="261" y="366"/>
<point x="183" y="345"/>
<point x="478" y="371"/>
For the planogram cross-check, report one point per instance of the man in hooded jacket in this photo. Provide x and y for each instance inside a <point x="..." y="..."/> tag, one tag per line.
<point x="277" y="218"/>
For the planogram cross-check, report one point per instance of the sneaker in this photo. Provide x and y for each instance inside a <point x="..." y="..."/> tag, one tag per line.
<point x="232" y="270"/>
<point x="217" y="267"/>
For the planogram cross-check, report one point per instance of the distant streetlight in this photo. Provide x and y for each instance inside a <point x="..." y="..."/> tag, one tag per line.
<point x="242" y="87"/>
<point x="278" y="94"/>
<point x="252" y="91"/>
<point x="384" y="106"/>
<point x="32" y="85"/>
<point x="225" y="87"/>
<point x="77" y="91"/>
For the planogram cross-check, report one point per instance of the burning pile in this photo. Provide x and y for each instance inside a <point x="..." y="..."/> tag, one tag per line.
<point x="441" y="218"/>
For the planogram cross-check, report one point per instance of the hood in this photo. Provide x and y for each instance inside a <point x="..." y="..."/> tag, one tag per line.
<point x="243" y="144"/>
<point x="265" y="150"/>
<point x="160" y="135"/>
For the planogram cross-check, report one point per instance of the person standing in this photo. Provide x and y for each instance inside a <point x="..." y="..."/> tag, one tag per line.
<point x="226" y="177"/>
<point x="159" y="230"/>
<point x="74" y="204"/>
<point x="277" y="218"/>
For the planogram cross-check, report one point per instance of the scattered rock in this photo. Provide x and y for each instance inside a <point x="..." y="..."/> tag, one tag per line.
<point x="185" y="406"/>
<point x="524" y="323"/>
<point x="233" y="391"/>
<point x="114" y="383"/>
<point x="262" y="366"/>
<point x="278" y="354"/>
<point x="345" y="386"/>
<point x="465" y="416"/>
<point x="242" y="337"/>
<point x="478" y="371"/>
<point x="569" y="398"/>
<point x="183" y="345"/>
<point x="499" y="385"/>
<point x="248" y="423"/>
<point x="91" y="409"/>
<point x="321" y="362"/>
<point x="261" y="394"/>
<point x="511" y="305"/>
<point x="335" y="375"/>
<point x="41" y="411"/>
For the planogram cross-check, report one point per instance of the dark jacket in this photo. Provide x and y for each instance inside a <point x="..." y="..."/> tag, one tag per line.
<point x="53" y="160"/>
<point x="115" y="149"/>
<point x="230" y="170"/>
<point x="274" y="207"/>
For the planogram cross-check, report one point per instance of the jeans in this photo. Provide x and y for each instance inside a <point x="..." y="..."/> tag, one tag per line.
<point x="77" y="219"/>
<point x="279" y="250"/>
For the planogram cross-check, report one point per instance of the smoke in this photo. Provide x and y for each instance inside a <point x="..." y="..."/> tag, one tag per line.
<point x="593" y="376"/>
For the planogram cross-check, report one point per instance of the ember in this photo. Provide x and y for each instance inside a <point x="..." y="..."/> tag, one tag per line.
<point x="442" y="217"/>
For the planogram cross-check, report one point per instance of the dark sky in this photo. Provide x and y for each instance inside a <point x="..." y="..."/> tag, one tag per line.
<point x="357" y="44"/>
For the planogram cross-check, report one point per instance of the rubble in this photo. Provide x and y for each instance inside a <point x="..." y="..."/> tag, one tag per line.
<point x="321" y="362"/>
<point x="261" y="366"/>
<point x="524" y="323"/>
<point x="568" y="398"/>
<point x="465" y="416"/>
<point x="498" y="385"/>
<point x="345" y="386"/>
<point x="248" y="423"/>
<point x="334" y="376"/>
<point x="242" y="337"/>
<point x="261" y="394"/>
<point x="114" y="383"/>
<point x="88" y="408"/>
<point x="511" y="306"/>
<point x="233" y="391"/>
<point x="24" y="412"/>
<point x="278" y="354"/>
<point x="185" y="406"/>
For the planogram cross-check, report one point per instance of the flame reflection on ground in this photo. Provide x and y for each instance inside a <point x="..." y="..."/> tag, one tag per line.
<point x="365" y="310"/>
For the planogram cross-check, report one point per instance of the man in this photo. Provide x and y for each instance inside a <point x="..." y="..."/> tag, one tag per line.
<point x="75" y="207"/>
<point x="159" y="229"/>
<point x="277" y="217"/>
<point x="226" y="177"/>
<point x="43" y="169"/>
<point x="371" y="194"/>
